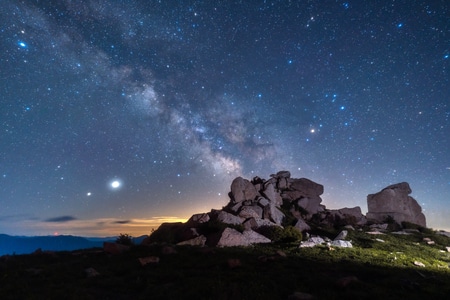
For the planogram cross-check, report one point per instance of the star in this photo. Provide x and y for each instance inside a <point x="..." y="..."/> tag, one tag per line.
<point x="22" y="45"/>
<point x="115" y="184"/>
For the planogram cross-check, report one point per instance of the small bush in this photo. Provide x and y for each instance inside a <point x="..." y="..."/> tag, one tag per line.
<point x="409" y="225"/>
<point x="278" y="234"/>
<point x="273" y="233"/>
<point x="289" y="218"/>
<point x="392" y="224"/>
<point x="291" y="234"/>
<point x="125" y="239"/>
<point x="426" y="230"/>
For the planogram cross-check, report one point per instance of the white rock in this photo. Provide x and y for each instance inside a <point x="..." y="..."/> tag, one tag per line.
<point x="342" y="235"/>
<point x="374" y="232"/>
<point x="419" y="264"/>
<point x="312" y="242"/>
<point x="379" y="226"/>
<point x="341" y="243"/>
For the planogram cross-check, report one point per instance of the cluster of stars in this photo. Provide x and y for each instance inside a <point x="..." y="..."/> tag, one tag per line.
<point x="168" y="103"/>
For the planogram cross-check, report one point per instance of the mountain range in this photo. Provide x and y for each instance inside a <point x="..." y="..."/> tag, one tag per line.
<point x="28" y="244"/>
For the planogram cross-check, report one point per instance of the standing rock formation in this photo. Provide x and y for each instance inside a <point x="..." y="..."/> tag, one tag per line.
<point x="394" y="201"/>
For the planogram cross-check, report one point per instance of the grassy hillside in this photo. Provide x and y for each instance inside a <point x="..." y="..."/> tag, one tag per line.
<point x="372" y="269"/>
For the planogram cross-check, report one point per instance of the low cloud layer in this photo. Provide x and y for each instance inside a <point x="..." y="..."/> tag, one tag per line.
<point x="61" y="219"/>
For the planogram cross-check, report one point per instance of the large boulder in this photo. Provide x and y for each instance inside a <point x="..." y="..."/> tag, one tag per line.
<point x="394" y="201"/>
<point x="306" y="186"/>
<point x="272" y="195"/>
<point x="253" y="211"/>
<point x="197" y="241"/>
<point x="241" y="190"/>
<point x="346" y="216"/>
<point x="310" y="204"/>
<point x="228" y="218"/>
<point x="282" y="179"/>
<point x="231" y="237"/>
<point x="272" y="213"/>
<point x="198" y="219"/>
<point x="255" y="223"/>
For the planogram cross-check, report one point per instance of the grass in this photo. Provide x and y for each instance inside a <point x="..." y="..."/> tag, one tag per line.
<point x="372" y="269"/>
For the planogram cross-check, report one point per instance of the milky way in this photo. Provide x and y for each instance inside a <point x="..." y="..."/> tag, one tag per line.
<point x="120" y="115"/>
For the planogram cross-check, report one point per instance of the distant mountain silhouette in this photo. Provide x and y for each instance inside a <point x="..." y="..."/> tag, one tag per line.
<point x="25" y="245"/>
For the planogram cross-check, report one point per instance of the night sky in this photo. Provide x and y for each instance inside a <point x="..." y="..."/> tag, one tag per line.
<point x="119" y="115"/>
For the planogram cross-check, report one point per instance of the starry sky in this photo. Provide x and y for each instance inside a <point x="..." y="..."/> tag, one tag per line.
<point x="119" y="115"/>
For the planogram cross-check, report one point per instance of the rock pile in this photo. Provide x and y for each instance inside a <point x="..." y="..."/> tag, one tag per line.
<point x="282" y="201"/>
<point x="258" y="201"/>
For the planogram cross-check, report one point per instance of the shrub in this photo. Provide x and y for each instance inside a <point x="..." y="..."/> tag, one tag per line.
<point x="125" y="239"/>
<point x="392" y="224"/>
<point x="278" y="234"/>
<point x="426" y="230"/>
<point x="273" y="233"/>
<point x="291" y="234"/>
<point x="389" y="219"/>
<point x="289" y="218"/>
<point x="409" y="225"/>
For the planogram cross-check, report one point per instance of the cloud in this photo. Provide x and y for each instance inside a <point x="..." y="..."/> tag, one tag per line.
<point x="122" y="222"/>
<point x="61" y="219"/>
<point x="87" y="227"/>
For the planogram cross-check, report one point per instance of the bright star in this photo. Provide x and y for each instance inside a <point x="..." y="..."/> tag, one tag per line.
<point x="22" y="44"/>
<point x="115" y="184"/>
